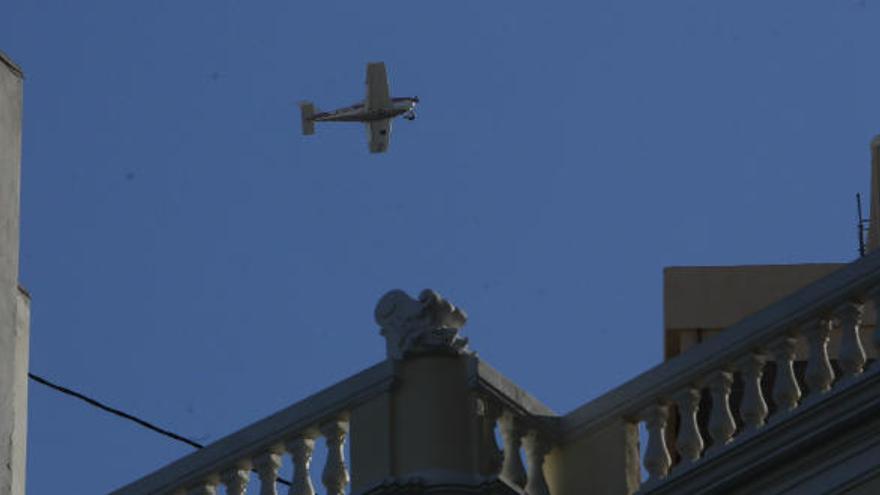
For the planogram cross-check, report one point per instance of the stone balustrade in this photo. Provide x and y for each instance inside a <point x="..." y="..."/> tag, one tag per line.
<point x="432" y="414"/>
<point x="754" y="375"/>
<point x="528" y="432"/>
<point x="521" y="434"/>
<point x="252" y="459"/>
<point x="257" y="451"/>
<point x="266" y="465"/>
<point x="728" y="422"/>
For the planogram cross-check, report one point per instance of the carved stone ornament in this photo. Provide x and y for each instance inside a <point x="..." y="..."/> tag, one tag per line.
<point x="429" y="324"/>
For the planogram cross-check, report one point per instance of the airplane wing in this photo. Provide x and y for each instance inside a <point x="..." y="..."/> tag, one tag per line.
<point x="380" y="135"/>
<point x="377" y="87"/>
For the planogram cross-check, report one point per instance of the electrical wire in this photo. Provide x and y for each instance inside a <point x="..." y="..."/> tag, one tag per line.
<point x="125" y="415"/>
<point x="117" y="412"/>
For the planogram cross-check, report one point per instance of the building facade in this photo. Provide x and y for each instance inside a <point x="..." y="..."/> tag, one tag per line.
<point x="13" y="301"/>
<point x="771" y="385"/>
<point x="784" y="400"/>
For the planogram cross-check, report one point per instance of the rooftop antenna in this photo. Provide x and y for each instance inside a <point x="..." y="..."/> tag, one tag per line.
<point x="861" y="225"/>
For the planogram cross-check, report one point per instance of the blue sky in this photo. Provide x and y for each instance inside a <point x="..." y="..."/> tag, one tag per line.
<point x="195" y="260"/>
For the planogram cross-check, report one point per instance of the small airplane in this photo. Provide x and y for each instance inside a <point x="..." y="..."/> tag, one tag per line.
<point x="377" y="110"/>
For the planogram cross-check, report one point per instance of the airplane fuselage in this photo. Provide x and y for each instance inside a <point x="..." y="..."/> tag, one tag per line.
<point x="377" y="110"/>
<point x="360" y="113"/>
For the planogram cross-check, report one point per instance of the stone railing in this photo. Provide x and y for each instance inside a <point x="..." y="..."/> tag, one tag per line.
<point x="779" y="358"/>
<point x="527" y="427"/>
<point x="491" y="406"/>
<point x="259" y="448"/>
<point x="425" y="417"/>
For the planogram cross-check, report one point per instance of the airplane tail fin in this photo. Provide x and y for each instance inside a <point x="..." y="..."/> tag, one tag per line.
<point x="307" y="109"/>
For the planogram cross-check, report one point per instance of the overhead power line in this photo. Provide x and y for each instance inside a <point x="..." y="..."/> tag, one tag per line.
<point x="117" y="412"/>
<point x="124" y="415"/>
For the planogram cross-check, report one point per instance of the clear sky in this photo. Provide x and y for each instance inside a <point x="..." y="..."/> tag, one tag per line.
<point x="195" y="260"/>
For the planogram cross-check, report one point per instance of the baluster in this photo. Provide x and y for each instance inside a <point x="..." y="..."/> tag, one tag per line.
<point x="786" y="392"/>
<point x="206" y="488"/>
<point x="874" y="296"/>
<point x="819" y="374"/>
<point x="537" y="448"/>
<point x="490" y="456"/>
<point x="512" y="467"/>
<point x="753" y="408"/>
<point x="851" y="355"/>
<point x="689" y="442"/>
<point x="335" y="476"/>
<point x="267" y="465"/>
<point x="236" y="480"/>
<point x="721" y="423"/>
<point x="657" y="459"/>
<point x="301" y="449"/>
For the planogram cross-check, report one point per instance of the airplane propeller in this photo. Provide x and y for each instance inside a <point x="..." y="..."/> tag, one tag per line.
<point x="411" y="113"/>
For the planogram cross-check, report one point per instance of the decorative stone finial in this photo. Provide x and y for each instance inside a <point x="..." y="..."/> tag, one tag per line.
<point x="429" y="324"/>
